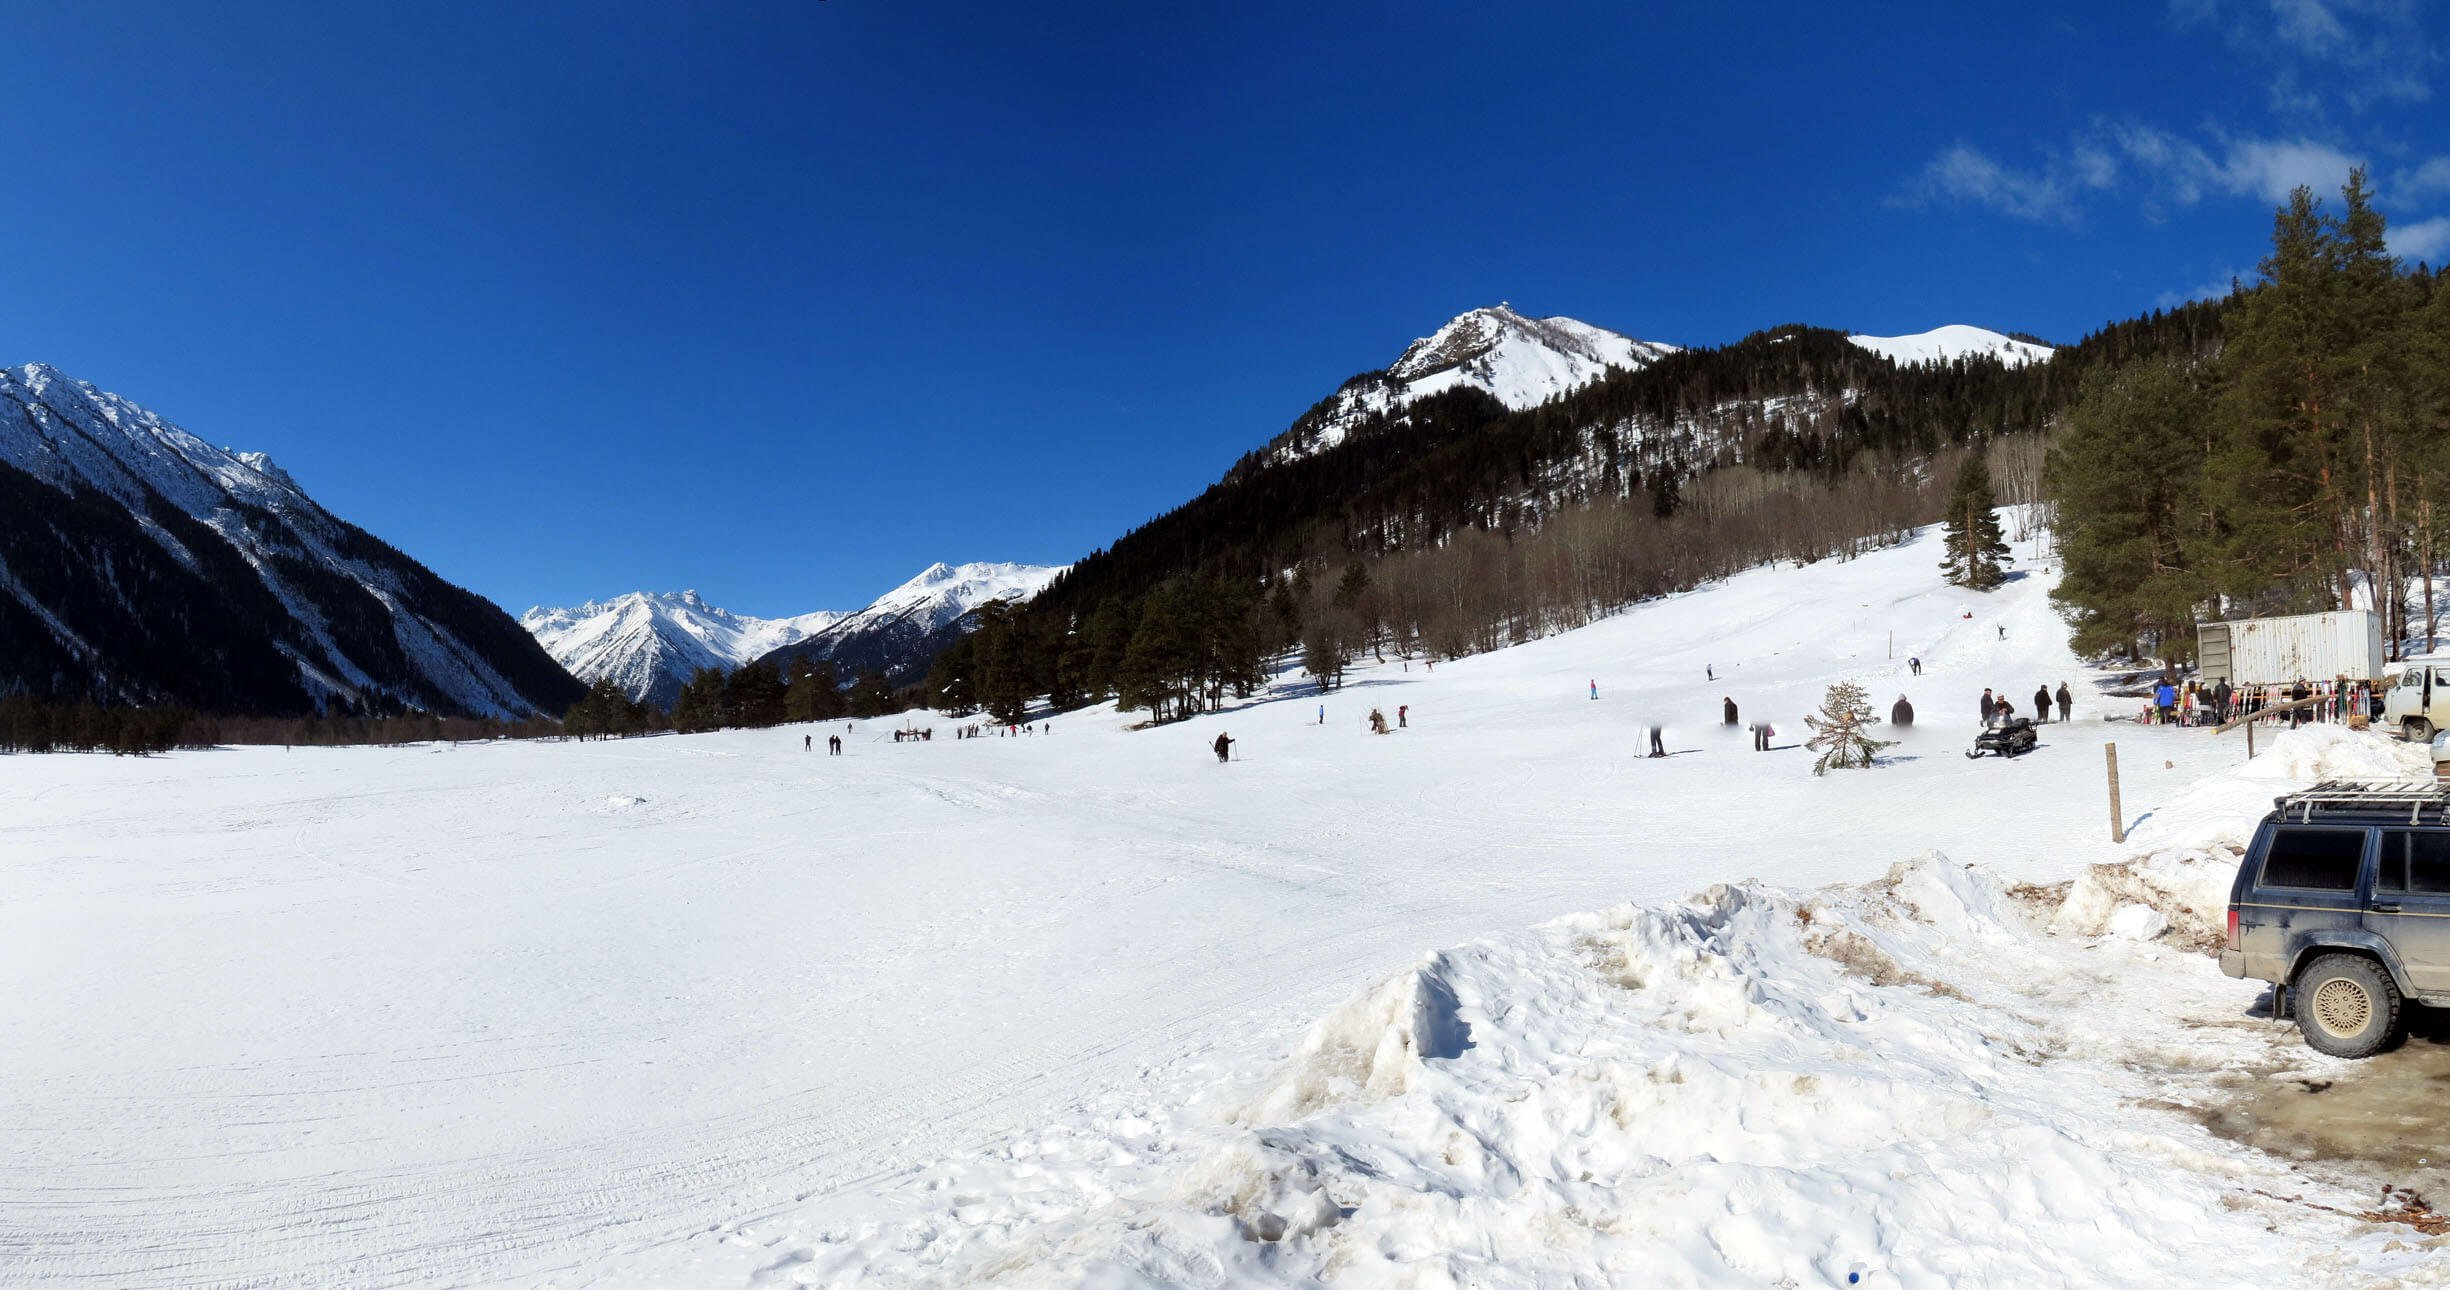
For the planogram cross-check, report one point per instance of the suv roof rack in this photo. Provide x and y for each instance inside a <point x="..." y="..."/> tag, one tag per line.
<point x="2418" y="798"/>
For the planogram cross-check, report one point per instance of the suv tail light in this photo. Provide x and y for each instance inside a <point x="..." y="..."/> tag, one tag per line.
<point x="2233" y="941"/>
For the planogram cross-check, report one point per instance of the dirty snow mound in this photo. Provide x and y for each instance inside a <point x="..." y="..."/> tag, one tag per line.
<point x="2188" y="849"/>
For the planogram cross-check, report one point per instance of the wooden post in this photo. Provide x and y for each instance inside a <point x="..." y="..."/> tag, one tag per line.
<point x="2118" y="819"/>
<point x="2250" y="740"/>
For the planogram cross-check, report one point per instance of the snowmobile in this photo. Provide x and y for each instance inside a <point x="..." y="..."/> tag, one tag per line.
<point x="2008" y="738"/>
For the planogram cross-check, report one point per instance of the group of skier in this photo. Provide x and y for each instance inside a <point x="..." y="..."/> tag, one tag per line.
<point x="1999" y="709"/>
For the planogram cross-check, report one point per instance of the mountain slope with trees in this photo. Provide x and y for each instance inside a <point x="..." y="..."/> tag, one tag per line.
<point x="1452" y="523"/>
<point x="141" y="566"/>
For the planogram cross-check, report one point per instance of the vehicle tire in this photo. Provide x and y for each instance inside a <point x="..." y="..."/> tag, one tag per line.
<point x="2417" y="729"/>
<point x="2346" y="1005"/>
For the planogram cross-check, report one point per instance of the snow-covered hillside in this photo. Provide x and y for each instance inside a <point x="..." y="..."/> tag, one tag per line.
<point x="1463" y="1004"/>
<point x="1521" y="361"/>
<point x="1954" y="341"/>
<point x="649" y="643"/>
<point x="901" y="630"/>
<point x="188" y="573"/>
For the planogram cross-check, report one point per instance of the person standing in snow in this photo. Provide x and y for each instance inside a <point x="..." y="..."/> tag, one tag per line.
<point x="2165" y="702"/>
<point x="1224" y="747"/>
<point x="1594" y="689"/>
<point x="2041" y="703"/>
<point x="808" y="743"/>
<point x="1914" y="666"/>
<point x="1708" y="673"/>
<point x="2003" y="631"/>
<point x="1378" y="722"/>
<point x="1657" y="748"/>
<point x="1403" y="715"/>
<point x="1728" y="705"/>
<point x="1901" y="713"/>
<point x="1760" y="736"/>
<point x="2004" y="711"/>
<point x="2067" y="703"/>
<point x="1990" y="708"/>
<point x="2298" y="693"/>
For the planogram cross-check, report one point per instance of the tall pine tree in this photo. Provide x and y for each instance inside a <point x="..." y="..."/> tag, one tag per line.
<point x="1976" y="551"/>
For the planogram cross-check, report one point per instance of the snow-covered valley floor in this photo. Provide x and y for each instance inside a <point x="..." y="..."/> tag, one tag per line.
<point x="1089" y="1007"/>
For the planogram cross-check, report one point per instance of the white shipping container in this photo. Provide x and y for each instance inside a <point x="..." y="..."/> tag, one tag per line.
<point x="2274" y="651"/>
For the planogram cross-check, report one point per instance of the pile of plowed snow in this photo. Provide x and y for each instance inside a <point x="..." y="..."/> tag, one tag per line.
<point x="2177" y="882"/>
<point x="1910" y="1081"/>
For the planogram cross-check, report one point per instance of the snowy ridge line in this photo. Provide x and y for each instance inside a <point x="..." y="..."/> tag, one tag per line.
<point x="70" y="435"/>
<point x="1953" y="342"/>
<point x="1905" y="1079"/>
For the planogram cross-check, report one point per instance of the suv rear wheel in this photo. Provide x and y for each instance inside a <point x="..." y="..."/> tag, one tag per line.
<point x="2417" y="729"/>
<point x="2346" y="1005"/>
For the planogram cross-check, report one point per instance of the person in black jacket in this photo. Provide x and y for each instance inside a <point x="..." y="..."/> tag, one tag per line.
<point x="2041" y="703"/>
<point x="1990" y="708"/>
<point x="1729" y="704"/>
<point x="1902" y="714"/>
<point x="2067" y="703"/>
<point x="1224" y="747"/>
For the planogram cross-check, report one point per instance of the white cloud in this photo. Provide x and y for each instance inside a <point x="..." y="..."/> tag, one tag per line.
<point x="2160" y="169"/>
<point x="1968" y="175"/>
<point x="2359" y="52"/>
<point x="2215" y="289"/>
<point x="2425" y="240"/>
<point x="2433" y="176"/>
<point x="2269" y="168"/>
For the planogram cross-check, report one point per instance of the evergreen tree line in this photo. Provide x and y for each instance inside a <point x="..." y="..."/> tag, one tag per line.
<point x="29" y="724"/>
<point x="37" y="725"/>
<point x="753" y="696"/>
<point x="2295" y="464"/>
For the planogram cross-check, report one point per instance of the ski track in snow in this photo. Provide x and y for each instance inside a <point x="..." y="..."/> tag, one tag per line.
<point x="587" y="1013"/>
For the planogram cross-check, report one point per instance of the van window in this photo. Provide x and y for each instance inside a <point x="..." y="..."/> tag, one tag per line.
<point x="2315" y="859"/>
<point x="2415" y="860"/>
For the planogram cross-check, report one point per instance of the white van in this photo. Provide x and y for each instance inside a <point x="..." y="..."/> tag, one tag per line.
<point x="2418" y="702"/>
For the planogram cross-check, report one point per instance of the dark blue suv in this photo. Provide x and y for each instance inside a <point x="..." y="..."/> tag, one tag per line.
<point x="2343" y="904"/>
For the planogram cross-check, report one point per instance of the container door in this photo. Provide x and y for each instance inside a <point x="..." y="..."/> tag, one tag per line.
<point x="2410" y="906"/>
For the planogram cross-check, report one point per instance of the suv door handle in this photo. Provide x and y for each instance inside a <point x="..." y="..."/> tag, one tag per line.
<point x="2382" y="908"/>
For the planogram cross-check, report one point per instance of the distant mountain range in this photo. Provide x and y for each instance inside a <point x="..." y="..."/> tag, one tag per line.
<point x="649" y="643"/>
<point x="142" y="565"/>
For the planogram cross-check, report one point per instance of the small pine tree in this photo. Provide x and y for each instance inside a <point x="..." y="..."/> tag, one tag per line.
<point x="1976" y="550"/>
<point x="1841" y="730"/>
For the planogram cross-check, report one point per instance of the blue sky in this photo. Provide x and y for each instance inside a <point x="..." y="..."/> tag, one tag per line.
<point x="785" y="301"/>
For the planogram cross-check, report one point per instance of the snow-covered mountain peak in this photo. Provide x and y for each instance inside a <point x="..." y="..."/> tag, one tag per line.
<point x="1520" y="361"/>
<point x="1954" y="341"/>
<point x="648" y="642"/>
<point x="961" y="588"/>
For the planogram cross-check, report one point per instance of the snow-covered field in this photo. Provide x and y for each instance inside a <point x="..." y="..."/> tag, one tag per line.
<point x="1089" y="1007"/>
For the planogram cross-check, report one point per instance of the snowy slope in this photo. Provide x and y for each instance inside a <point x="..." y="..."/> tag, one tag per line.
<point x="1089" y="1007"/>
<point x="350" y="617"/>
<point x="1954" y="341"/>
<point x="1522" y="362"/>
<point x="900" y="631"/>
<point x="649" y="643"/>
